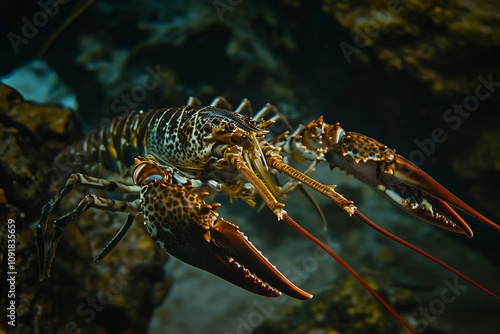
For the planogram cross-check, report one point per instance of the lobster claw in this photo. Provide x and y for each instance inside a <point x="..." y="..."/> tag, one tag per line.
<point x="179" y="220"/>
<point x="401" y="181"/>
<point x="241" y="263"/>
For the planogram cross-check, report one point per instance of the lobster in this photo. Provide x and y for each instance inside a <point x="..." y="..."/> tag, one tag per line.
<point x="174" y="158"/>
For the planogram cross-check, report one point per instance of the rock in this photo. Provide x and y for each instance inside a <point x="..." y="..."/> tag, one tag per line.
<point x="425" y="40"/>
<point x="343" y="307"/>
<point x="117" y="295"/>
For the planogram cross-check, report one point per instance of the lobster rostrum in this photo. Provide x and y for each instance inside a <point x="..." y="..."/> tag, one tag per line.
<point x="176" y="157"/>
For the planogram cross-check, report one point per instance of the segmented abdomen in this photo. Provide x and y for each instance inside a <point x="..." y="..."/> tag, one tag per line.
<point x="175" y="136"/>
<point x="111" y="148"/>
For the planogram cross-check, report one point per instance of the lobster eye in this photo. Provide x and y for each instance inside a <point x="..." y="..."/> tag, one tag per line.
<point x="229" y="126"/>
<point x="207" y="128"/>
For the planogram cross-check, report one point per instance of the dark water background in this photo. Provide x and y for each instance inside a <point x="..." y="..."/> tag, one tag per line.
<point x="411" y="63"/>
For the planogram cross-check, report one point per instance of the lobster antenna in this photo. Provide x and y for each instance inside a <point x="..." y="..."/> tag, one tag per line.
<point x="316" y="206"/>
<point x="414" y="248"/>
<point x="344" y="264"/>
<point x="352" y="210"/>
<point x="81" y="7"/>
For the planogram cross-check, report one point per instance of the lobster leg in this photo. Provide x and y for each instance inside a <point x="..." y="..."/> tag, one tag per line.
<point x="89" y="201"/>
<point x="117" y="237"/>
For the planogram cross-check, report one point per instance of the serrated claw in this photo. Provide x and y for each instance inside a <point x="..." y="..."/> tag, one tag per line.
<point x="236" y="245"/>
<point x="441" y="200"/>
<point x="403" y="182"/>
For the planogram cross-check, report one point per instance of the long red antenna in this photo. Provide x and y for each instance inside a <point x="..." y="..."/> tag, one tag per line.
<point x="414" y="248"/>
<point x="344" y="264"/>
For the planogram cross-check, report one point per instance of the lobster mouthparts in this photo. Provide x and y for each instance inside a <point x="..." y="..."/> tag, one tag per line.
<point x="189" y="229"/>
